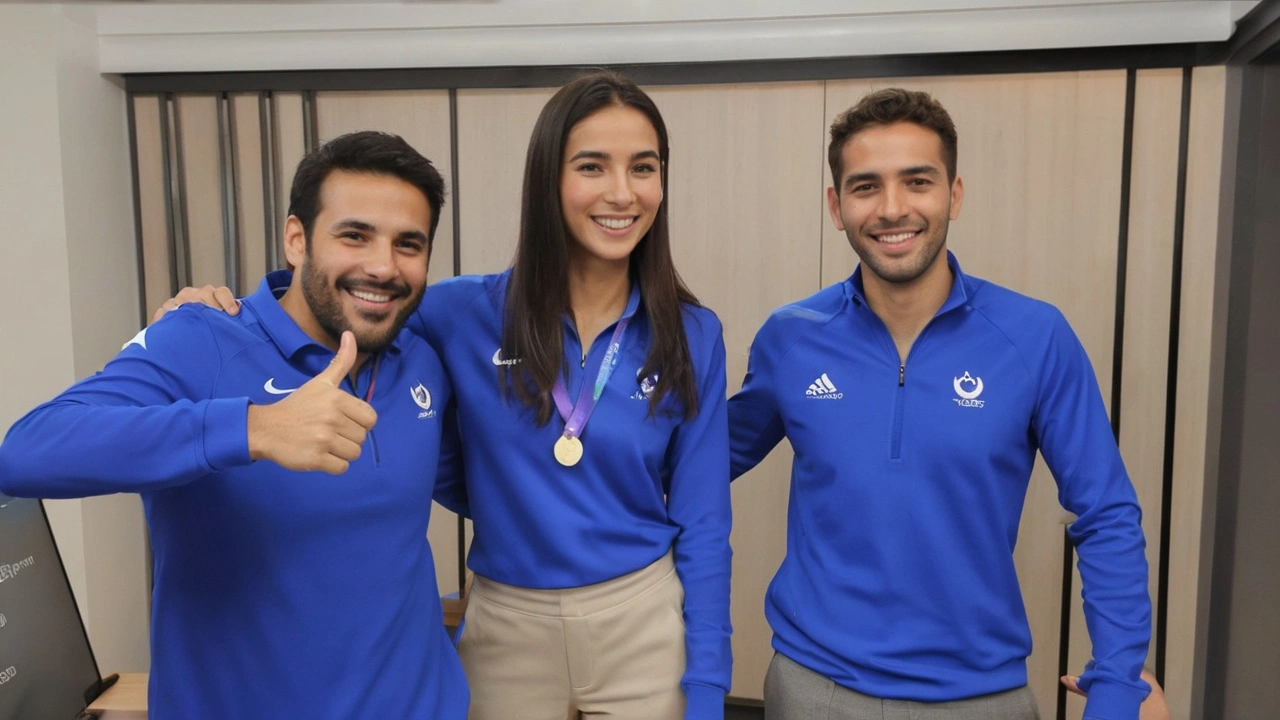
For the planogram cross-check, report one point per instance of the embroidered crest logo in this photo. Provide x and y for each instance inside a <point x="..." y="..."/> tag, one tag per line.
<point x="968" y="388"/>
<point x="422" y="397"/>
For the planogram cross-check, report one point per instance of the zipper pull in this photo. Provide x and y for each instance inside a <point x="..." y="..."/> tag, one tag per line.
<point x="902" y="375"/>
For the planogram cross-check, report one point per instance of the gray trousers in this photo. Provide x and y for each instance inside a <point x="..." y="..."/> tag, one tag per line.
<point x="794" y="692"/>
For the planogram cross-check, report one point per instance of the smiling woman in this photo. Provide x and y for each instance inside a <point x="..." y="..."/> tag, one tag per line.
<point x="601" y="528"/>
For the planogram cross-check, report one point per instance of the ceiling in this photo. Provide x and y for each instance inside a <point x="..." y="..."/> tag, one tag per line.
<point x="193" y="36"/>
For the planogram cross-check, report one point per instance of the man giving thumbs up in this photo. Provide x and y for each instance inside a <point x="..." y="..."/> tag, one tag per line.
<point x="292" y="573"/>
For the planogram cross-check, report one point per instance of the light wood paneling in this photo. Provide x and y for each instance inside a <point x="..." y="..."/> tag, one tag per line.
<point x="198" y="115"/>
<point x="1152" y="209"/>
<point x="153" y="229"/>
<point x="251" y="217"/>
<point x="493" y="136"/>
<point x="1200" y="231"/>
<point x="1041" y="158"/>
<point x="421" y="117"/>
<point x="290" y="146"/>
<point x="745" y="187"/>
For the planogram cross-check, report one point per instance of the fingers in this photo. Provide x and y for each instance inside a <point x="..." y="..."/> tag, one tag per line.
<point x="1072" y="683"/>
<point x="170" y="304"/>
<point x="220" y="298"/>
<point x="360" y="412"/>
<point x="342" y="363"/>
<point x="226" y="300"/>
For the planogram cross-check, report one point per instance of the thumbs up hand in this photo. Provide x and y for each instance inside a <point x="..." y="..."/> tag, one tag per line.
<point x="319" y="426"/>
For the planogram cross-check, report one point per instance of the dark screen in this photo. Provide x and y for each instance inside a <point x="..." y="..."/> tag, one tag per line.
<point x="46" y="664"/>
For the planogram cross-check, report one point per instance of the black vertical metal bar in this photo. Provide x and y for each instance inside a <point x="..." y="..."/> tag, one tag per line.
<point x="143" y="315"/>
<point x="310" y="137"/>
<point x="267" y="130"/>
<point x="183" y="239"/>
<point x="1171" y="383"/>
<point x="457" y="270"/>
<point x="1064" y="622"/>
<point x="170" y="212"/>
<point x="230" y="193"/>
<point x="1122" y="252"/>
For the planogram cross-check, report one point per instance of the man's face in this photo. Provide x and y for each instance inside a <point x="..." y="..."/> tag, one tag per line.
<point x="894" y="201"/>
<point x="365" y="267"/>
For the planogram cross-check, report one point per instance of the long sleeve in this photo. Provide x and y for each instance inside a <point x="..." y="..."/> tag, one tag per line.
<point x="698" y="502"/>
<point x="434" y="326"/>
<point x="145" y="422"/>
<point x="451" y="488"/>
<point x="1077" y="443"/>
<point x="755" y="425"/>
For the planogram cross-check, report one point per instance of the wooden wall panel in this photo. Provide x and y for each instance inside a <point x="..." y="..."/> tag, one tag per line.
<point x="1152" y="211"/>
<point x="745" y="188"/>
<point x="290" y="146"/>
<point x="1200" y="238"/>
<point x="493" y="136"/>
<point x="251" y="218"/>
<point x="202" y="185"/>
<point x="153" y="230"/>
<point x="1040" y="156"/>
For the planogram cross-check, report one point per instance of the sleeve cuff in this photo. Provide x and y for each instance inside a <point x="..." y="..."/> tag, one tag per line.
<point x="703" y="702"/>
<point x="226" y="433"/>
<point x="1113" y="701"/>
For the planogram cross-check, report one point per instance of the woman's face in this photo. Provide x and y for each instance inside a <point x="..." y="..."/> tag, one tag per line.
<point x="610" y="183"/>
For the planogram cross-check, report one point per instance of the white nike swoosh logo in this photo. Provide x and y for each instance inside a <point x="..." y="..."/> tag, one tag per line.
<point x="499" y="360"/>
<point x="270" y="386"/>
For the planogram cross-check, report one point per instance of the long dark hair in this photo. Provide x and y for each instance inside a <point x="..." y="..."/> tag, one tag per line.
<point x="538" y="293"/>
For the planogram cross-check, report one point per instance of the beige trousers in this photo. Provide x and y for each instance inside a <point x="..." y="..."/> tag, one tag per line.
<point x="614" y="650"/>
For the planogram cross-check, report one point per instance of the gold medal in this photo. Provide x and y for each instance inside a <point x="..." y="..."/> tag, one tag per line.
<point x="568" y="450"/>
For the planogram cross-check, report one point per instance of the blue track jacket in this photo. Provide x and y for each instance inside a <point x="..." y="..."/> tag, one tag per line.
<point x="278" y="594"/>
<point x="908" y="485"/>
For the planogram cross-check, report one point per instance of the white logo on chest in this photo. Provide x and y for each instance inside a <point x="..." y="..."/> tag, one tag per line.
<point x="968" y="388"/>
<point x="422" y="397"/>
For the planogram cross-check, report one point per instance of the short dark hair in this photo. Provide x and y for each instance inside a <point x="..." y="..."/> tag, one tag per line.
<point x="367" y="151"/>
<point x="886" y="107"/>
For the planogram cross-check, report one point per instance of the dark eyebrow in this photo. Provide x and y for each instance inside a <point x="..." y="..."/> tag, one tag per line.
<point x="351" y="224"/>
<point x="856" y="178"/>
<point x="597" y="155"/>
<point x="362" y="226"/>
<point x="919" y="170"/>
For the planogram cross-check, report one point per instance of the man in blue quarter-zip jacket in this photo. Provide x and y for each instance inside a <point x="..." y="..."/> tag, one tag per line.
<point x="898" y="593"/>
<point x="292" y="573"/>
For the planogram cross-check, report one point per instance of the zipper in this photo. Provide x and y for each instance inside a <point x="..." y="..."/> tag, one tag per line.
<point x="899" y="401"/>
<point x="373" y="440"/>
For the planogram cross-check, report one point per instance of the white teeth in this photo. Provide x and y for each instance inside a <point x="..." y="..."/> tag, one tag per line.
<point x="897" y="238"/>
<point x="615" y="223"/>
<point x="371" y="297"/>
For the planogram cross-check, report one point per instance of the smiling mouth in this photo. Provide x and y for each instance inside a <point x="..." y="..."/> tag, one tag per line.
<point x="896" y="238"/>
<point x="370" y="296"/>
<point x="615" y="223"/>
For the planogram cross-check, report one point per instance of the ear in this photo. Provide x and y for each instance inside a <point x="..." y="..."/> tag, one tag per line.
<point x="295" y="241"/>
<point x="833" y="207"/>
<point x="957" y="197"/>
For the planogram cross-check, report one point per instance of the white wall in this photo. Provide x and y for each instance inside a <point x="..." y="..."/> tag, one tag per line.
<point x="70" y="285"/>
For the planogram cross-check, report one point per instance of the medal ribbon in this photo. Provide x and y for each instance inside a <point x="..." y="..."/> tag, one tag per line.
<point x="575" y="417"/>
